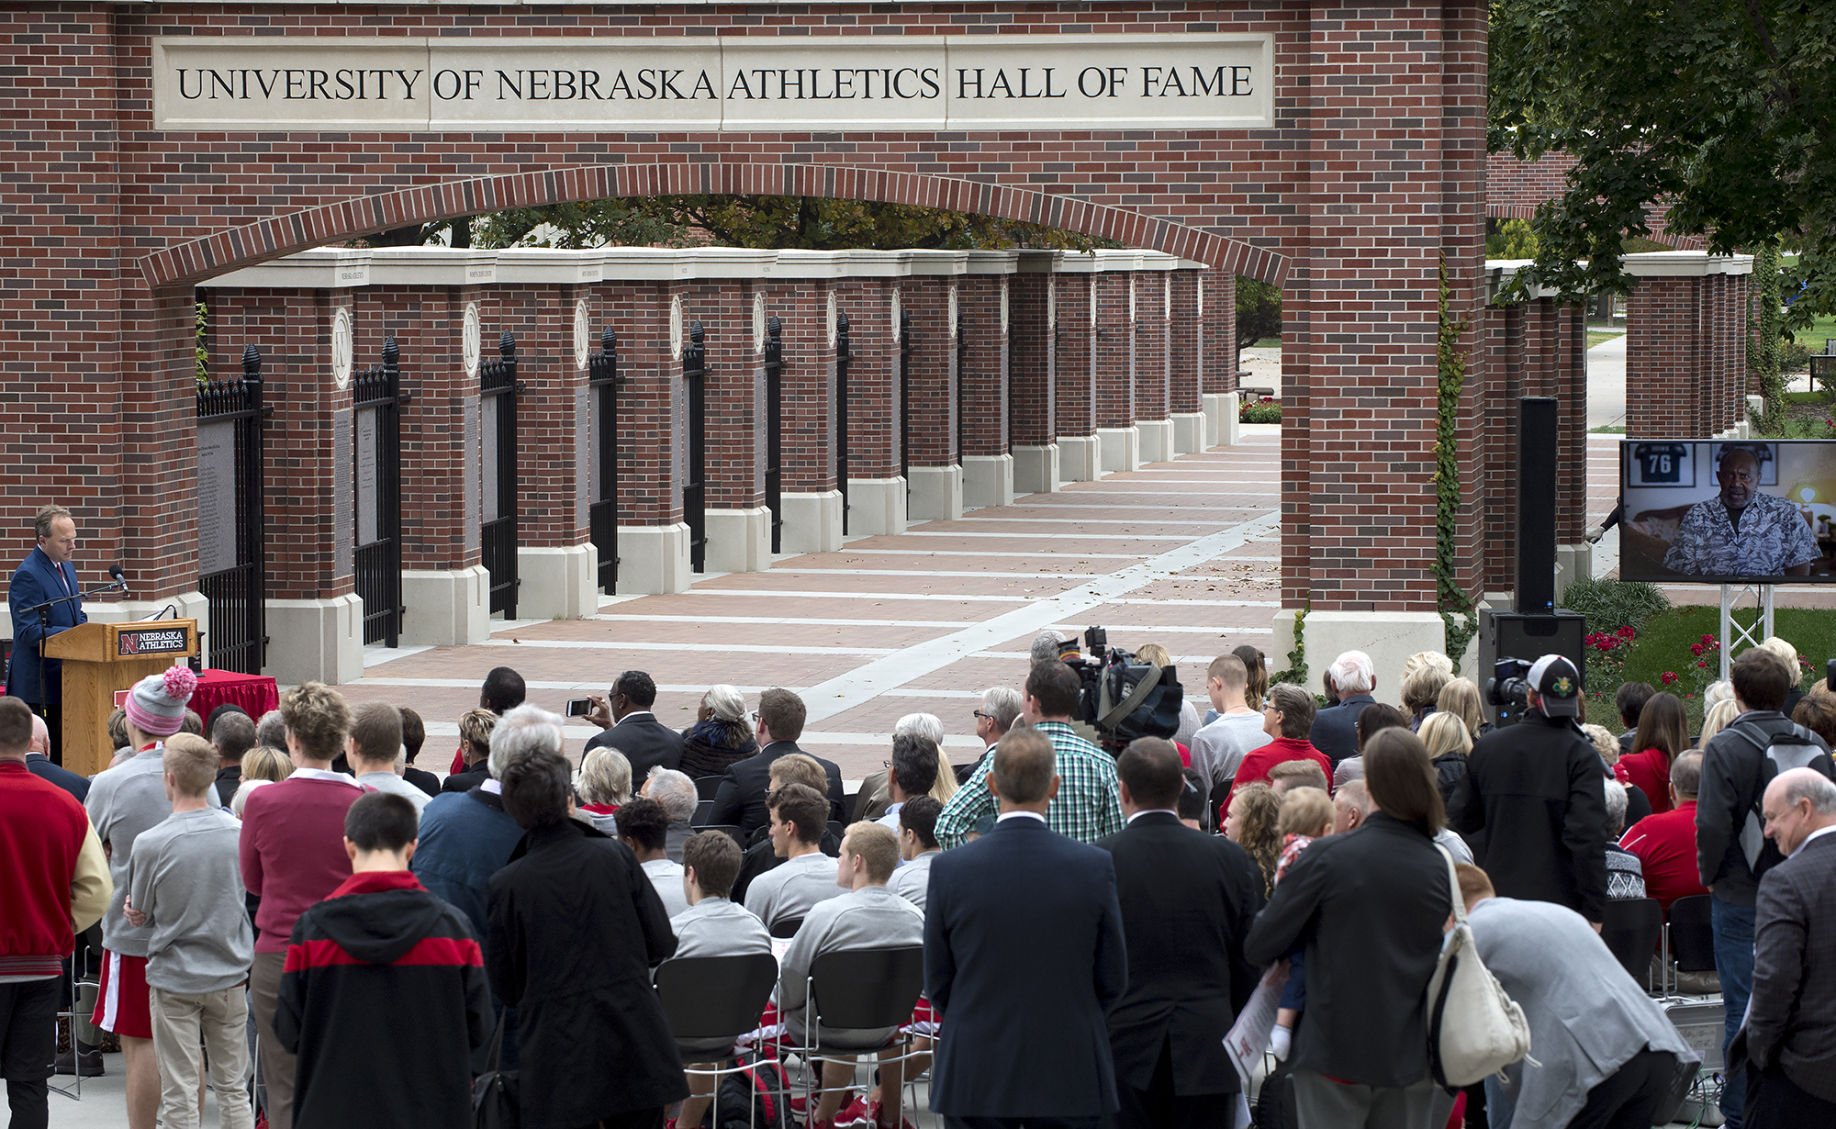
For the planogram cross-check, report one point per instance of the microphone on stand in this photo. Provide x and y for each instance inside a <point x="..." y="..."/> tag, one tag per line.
<point x="114" y="572"/>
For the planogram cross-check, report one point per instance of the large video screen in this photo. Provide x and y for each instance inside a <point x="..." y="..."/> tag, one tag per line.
<point x="1723" y="512"/>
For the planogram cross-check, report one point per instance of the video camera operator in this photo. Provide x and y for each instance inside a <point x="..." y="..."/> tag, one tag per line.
<point x="1533" y="803"/>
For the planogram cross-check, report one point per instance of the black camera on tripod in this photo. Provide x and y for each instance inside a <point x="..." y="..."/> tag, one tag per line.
<point x="1509" y="689"/>
<point x="1124" y="698"/>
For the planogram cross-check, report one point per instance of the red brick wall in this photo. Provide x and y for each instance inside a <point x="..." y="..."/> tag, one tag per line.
<point x="984" y="373"/>
<point x="735" y="391"/>
<point x="1218" y="324"/>
<point x="550" y="461"/>
<point x="1031" y="361"/>
<point x="1184" y="337"/>
<point x="808" y="392"/>
<point x="1075" y="357"/>
<point x="930" y="379"/>
<point x="651" y="380"/>
<point x="1115" y="351"/>
<point x="873" y="420"/>
<point x="1150" y="346"/>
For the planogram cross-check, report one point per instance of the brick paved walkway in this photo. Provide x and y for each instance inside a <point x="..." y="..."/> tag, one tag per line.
<point x="1183" y="553"/>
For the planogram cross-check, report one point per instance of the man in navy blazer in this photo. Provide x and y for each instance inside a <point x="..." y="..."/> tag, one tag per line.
<point x="45" y="574"/>
<point x="1023" y="956"/>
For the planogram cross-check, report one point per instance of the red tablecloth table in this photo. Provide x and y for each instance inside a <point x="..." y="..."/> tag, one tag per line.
<point x="255" y="693"/>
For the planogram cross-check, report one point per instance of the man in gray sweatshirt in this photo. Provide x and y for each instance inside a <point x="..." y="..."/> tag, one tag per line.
<point x="185" y="886"/>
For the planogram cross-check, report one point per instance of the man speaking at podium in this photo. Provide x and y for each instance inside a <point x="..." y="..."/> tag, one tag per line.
<point x="45" y="574"/>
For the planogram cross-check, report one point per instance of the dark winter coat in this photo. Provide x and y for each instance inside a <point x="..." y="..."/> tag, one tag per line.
<point x="575" y="927"/>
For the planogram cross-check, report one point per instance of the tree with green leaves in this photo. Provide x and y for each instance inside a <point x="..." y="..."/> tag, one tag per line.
<point x="1258" y="313"/>
<point x="1721" y="111"/>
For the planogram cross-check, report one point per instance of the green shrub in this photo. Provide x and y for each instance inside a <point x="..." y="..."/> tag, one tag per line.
<point x="1263" y="410"/>
<point x="1611" y="604"/>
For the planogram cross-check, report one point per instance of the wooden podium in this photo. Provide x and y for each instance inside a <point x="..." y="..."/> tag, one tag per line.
<point x="100" y="659"/>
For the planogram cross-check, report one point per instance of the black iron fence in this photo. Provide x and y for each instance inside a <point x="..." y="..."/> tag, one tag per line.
<point x="602" y="437"/>
<point x="695" y="475"/>
<point x="498" y="389"/>
<point x="377" y="399"/>
<point x="231" y="563"/>
<point x="844" y="357"/>
<point x="774" y="430"/>
<point x="905" y="397"/>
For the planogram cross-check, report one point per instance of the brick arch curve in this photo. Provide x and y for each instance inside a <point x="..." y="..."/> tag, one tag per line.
<point x="328" y="223"/>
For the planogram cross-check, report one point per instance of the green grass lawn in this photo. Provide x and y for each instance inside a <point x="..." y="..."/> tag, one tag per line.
<point x="1596" y="337"/>
<point x="1664" y="645"/>
<point x="1821" y="329"/>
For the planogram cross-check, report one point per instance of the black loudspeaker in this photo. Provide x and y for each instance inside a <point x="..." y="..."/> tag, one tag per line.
<point x="1510" y="635"/>
<point x="1536" y="489"/>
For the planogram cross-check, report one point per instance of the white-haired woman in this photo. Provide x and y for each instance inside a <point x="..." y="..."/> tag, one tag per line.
<point x="720" y="735"/>
<point x="603" y="787"/>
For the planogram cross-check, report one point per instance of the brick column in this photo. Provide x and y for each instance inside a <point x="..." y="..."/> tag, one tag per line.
<point x="1032" y="365"/>
<point x="1074" y="367"/>
<point x="653" y="549"/>
<point x="438" y="305"/>
<point x="548" y="300"/>
<point x="1185" y="371"/>
<point x="733" y="312"/>
<point x="1217" y="318"/>
<point x="876" y="490"/>
<point x="985" y="304"/>
<point x="932" y="308"/>
<point x="1686" y="346"/>
<point x="1153" y="302"/>
<point x="809" y="310"/>
<point x="308" y="495"/>
<point x="1118" y="440"/>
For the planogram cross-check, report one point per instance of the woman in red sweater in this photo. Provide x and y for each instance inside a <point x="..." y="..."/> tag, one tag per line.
<point x="1663" y="734"/>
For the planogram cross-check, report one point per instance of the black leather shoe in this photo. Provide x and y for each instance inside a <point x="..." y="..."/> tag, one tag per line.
<point x="84" y="1063"/>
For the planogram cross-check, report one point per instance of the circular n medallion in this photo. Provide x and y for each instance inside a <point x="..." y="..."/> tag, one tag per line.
<point x="1004" y="307"/>
<point x="898" y="312"/>
<point x="834" y="316"/>
<point x="956" y="326"/>
<point x="583" y="333"/>
<point x="675" y="327"/>
<point x="341" y="348"/>
<point x="1200" y="293"/>
<point x="1051" y="304"/>
<point x="469" y="338"/>
<point x="758" y="323"/>
<point x="1166" y="297"/>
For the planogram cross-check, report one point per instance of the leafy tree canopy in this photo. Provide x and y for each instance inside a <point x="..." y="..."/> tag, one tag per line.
<point x="1722" y="110"/>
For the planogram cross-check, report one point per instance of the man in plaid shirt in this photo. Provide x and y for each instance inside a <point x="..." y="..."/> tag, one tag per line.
<point x="1088" y="806"/>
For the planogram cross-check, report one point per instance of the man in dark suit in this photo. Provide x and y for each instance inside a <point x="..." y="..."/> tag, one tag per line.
<point x="1335" y="730"/>
<point x="1187" y="902"/>
<point x="38" y="763"/>
<point x="1790" y="1036"/>
<point x="46" y="574"/>
<point x="646" y="742"/>
<point x="778" y="723"/>
<point x="1023" y="955"/>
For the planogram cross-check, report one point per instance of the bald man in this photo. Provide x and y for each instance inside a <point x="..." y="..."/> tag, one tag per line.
<point x="1790" y="1033"/>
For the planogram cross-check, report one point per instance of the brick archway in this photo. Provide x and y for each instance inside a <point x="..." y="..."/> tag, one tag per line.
<point x="256" y="242"/>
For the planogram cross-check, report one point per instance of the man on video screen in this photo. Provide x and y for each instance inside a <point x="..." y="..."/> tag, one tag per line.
<point x="1742" y="532"/>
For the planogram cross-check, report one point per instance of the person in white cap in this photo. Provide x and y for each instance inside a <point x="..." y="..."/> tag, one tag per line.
<point x="123" y="802"/>
<point x="1532" y="805"/>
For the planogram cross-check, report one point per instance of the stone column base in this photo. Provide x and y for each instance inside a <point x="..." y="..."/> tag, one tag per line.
<point x="190" y="605"/>
<point x="1388" y="637"/>
<point x="322" y="640"/>
<point x="445" y="607"/>
<point x="739" y="540"/>
<point x="1118" y="448"/>
<point x="937" y="493"/>
<point x="1188" y="432"/>
<point x="1221" y="418"/>
<point x="653" y="559"/>
<point x="1036" y="469"/>
<point x="876" y="506"/>
<point x="988" y="480"/>
<point x="1572" y="563"/>
<point x="1077" y="459"/>
<point x="812" y="522"/>
<point x="559" y="582"/>
<point x="1156" y="439"/>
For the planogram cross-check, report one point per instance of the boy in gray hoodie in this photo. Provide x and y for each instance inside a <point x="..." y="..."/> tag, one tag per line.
<point x="186" y="884"/>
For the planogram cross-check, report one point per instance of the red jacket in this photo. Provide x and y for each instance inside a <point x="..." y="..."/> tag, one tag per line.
<point x="42" y="834"/>
<point x="1256" y="765"/>
<point x="1665" y="844"/>
<point x="1650" y="772"/>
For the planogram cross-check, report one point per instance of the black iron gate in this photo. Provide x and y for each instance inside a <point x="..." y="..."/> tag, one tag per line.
<point x="774" y="430"/>
<point x="844" y="356"/>
<point x="602" y="436"/>
<point x="231" y="565"/>
<point x="377" y="400"/>
<point x="695" y="478"/>
<point x="905" y="398"/>
<point x="962" y="378"/>
<point x="498" y="387"/>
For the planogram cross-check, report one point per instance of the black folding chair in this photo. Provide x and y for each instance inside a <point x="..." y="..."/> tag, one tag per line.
<point x="707" y="786"/>
<point x="732" y="831"/>
<point x="703" y="809"/>
<point x="786" y="927"/>
<point x="1631" y="928"/>
<point x="855" y="996"/>
<point x="709" y="1002"/>
<point x="1689" y="939"/>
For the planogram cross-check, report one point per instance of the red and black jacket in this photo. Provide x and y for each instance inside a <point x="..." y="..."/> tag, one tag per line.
<point x="383" y="999"/>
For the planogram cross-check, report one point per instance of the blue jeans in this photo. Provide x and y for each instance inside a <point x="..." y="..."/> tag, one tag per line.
<point x="1733" y="925"/>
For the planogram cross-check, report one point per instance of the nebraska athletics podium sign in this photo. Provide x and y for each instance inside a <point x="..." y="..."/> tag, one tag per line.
<point x="717" y="83"/>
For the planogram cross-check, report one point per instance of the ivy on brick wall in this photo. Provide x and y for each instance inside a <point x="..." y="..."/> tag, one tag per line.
<point x="1297" y="658"/>
<point x="1455" y="604"/>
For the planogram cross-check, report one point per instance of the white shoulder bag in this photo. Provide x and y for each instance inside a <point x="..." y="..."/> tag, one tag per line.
<point x="1475" y="1029"/>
